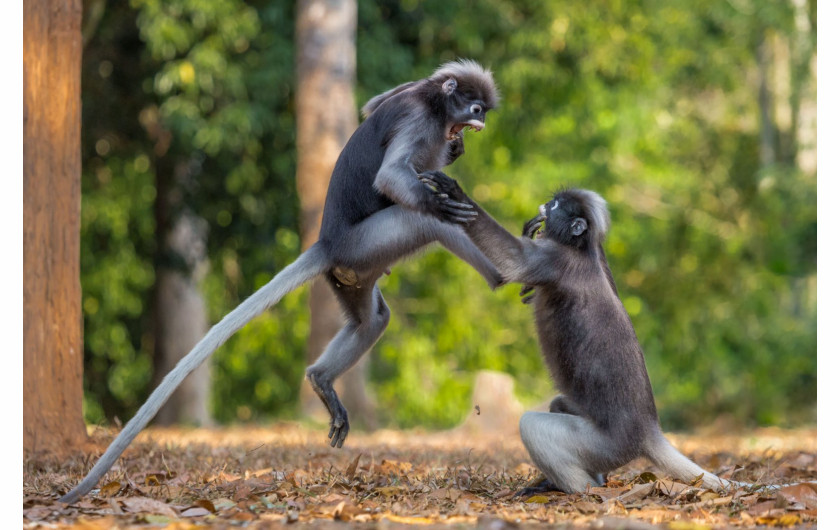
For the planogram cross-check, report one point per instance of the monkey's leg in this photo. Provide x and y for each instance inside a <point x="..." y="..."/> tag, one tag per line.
<point x="457" y="242"/>
<point x="395" y="232"/>
<point x="368" y="317"/>
<point x="564" y="405"/>
<point x="568" y="449"/>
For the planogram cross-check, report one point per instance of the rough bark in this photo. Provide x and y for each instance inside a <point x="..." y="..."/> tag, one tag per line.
<point x="326" y="117"/>
<point x="52" y="317"/>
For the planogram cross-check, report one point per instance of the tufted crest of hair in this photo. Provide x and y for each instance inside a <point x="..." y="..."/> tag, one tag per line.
<point x="595" y="208"/>
<point x="472" y="79"/>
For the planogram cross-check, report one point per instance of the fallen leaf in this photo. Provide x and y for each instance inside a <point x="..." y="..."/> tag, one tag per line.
<point x="781" y="519"/>
<point x="687" y="525"/>
<point x="37" y="513"/>
<point x="110" y="489"/>
<point x="154" y="479"/>
<point x="762" y="507"/>
<point x="671" y="488"/>
<point x="636" y="494"/>
<point x="146" y="505"/>
<point x="646" y="477"/>
<point x="445" y="493"/>
<point x="157" y="519"/>
<point x="408" y="520"/>
<point x="805" y="494"/>
<point x="195" y="511"/>
<point x="206" y="504"/>
<point x="537" y="499"/>
<point x="391" y="467"/>
<point x="350" y="472"/>
<point x="221" y="504"/>
<point x="587" y="507"/>
<point x="388" y="491"/>
<point x="606" y="493"/>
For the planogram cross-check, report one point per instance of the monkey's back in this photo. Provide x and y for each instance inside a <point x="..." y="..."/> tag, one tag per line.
<point x="351" y="197"/>
<point x="590" y="345"/>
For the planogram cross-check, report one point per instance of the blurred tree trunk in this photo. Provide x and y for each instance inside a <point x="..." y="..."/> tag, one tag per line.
<point x="52" y="316"/>
<point x="767" y="121"/>
<point x="804" y="85"/>
<point x="326" y="117"/>
<point x="180" y="265"/>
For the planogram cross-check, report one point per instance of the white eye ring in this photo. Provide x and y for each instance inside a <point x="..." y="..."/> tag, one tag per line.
<point x="556" y="205"/>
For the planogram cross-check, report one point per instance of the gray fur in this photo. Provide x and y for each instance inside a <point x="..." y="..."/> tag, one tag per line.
<point x="375" y="101"/>
<point x="376" y="212"/>
<point x="480" y="78"/>
<point x="606" y="414"/>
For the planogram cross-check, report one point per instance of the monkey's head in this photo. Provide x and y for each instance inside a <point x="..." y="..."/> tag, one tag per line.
<point x="578" y="218"/>
<point x="468" y="92"/>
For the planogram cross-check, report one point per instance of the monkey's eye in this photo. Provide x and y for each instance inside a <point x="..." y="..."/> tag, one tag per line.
<point x="476" y="109"/>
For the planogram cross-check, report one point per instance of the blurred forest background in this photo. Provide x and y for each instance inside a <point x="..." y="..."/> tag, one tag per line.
<point x="695" y="119"/>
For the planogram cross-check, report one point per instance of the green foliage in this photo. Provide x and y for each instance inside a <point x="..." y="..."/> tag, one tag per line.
<point x="654" y="105"/>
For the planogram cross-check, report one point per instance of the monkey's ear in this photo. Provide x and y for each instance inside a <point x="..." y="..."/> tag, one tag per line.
<point x="449" y="86"/>
<point x="579" y="226"/>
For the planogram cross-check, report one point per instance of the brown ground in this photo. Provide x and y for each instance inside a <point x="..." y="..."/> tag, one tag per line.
<point x="266" y="477"/>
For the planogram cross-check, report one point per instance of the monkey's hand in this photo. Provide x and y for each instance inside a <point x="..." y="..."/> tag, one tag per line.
<point x="448" y="203"/>
<point x="532" y="227"/>
<point x="455" y="148"/>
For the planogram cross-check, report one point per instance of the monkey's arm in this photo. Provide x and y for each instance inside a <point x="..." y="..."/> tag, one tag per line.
<point x="519" y="260"/>
<point x="397" y="176"/>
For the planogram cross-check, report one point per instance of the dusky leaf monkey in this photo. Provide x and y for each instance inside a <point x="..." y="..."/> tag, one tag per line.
<point x="605" y="416"/>
<point x="376" y="212"/>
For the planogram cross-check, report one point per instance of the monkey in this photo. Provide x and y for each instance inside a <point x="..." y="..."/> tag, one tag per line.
<point x="376" y="212"/>
<point x="605" y="415"/>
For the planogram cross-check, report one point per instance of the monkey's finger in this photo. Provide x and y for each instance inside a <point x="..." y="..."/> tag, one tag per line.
<point x="342" y="436"/>
<point x="458" y="212"/>
<point x="460" y="220"/>
<point x="528" y="299"/>
<point x="452" y="203"/>
<point x="429" y="185"/>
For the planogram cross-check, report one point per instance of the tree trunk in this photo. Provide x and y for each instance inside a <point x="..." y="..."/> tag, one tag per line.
<point x="767" y="123"/>
<point x="181" y="321"/>
<point x="180" y="315"/>
<point x="326" y="117"/>
<point x="52" y="316"/>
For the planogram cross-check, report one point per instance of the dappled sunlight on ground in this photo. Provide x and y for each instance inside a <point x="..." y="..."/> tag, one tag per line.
<point x="174" y="478"/>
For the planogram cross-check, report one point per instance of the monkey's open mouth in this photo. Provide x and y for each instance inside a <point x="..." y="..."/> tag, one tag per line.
<point x="458" y="127"/>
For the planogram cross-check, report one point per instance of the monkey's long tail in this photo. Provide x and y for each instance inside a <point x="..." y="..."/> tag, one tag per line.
<point x="306" y="267"/>
<point x="666" y="457"/>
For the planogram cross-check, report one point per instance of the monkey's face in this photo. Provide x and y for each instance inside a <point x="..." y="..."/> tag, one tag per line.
<point x="464" y="110"/>
<point x="465" y="113"/>
<point x="565" y="220"/>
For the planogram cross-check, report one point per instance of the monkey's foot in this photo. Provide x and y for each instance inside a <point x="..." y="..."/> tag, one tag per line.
<point x="543" y="486"/>
<point x="339" y="423"/>
<point x="339" y="427"/>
